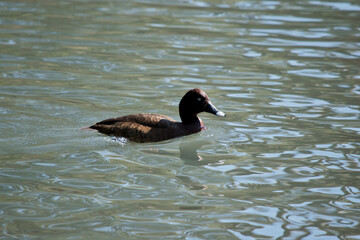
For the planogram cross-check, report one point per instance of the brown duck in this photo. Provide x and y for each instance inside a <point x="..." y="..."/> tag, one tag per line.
<point x="149" y="127"/>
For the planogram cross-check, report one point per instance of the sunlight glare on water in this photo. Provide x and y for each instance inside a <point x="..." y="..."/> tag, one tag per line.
<point x="283" y="163"/>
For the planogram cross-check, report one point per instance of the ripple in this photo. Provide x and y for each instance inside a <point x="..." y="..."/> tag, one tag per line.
<point x="77" y="60"/>
<point x="305" y="154"/>
<point x="332" y="190"/>
<point x="295" y="33"/>
<point x="315" y="73"/>
<point x="295" y="43"/>
<point x="39" y="74"/>
<point x="290" y="18"/>
<point x="343" y="6"/>
<point x="268" y="133"/>
<point x="265" y="229"/>
<point x="270" y="177"/>
<point x="296" y="101"/>
<point x="21" y="212"/>
<point x="25" y="175"/>
<point x="11" y="188"/>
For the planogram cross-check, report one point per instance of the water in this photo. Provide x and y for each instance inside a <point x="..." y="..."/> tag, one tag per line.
<point x="283" y="164"/>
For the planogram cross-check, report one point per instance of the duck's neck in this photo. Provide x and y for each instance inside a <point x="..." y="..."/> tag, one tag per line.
<point x="189" y="119"/>
<point x="192" y="121"/>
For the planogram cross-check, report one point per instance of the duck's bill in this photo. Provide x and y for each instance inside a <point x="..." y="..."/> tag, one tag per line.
<point x="221" y="114"/>
<point x="212" y="109"/>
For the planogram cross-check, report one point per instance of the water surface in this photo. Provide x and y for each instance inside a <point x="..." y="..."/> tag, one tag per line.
<point x="283" y="164"/>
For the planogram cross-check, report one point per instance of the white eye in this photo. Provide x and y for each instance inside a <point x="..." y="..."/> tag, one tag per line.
<point x="199" y="99"/>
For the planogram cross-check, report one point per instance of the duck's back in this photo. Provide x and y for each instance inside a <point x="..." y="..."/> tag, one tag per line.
<point x="142" y="127"/>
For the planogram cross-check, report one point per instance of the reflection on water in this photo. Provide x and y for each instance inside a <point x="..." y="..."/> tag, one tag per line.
<point x="284" y="163"/>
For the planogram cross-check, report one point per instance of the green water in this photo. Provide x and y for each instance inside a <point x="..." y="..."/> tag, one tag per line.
<point x="283" y="164"/>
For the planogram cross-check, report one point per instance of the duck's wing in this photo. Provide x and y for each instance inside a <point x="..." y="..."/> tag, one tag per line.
<point x="145" y="119"/>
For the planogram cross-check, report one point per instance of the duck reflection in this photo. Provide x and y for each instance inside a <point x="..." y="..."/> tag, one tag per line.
<point x="188" y="152"/>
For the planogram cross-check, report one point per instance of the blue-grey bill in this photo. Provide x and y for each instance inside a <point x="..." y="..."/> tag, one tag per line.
<point x="221" y="114"/>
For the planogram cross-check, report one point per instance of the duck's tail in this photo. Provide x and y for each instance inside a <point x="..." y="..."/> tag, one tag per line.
<point x="88" y="129"/>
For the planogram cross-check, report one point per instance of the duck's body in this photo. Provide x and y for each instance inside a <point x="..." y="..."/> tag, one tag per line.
<point x="145" y="127"/>
<point x="149" y="127"/>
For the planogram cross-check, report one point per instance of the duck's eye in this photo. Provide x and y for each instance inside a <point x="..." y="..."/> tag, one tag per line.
<point x="199" y="99"/>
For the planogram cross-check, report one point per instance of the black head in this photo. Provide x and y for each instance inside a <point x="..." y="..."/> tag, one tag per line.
<point x="194" y="102"/>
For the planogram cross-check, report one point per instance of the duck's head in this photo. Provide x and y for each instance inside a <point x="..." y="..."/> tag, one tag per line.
<point x="194" y="102"/>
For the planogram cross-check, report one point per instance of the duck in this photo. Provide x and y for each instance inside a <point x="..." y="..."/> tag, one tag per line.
<point x="151" y="127"/>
